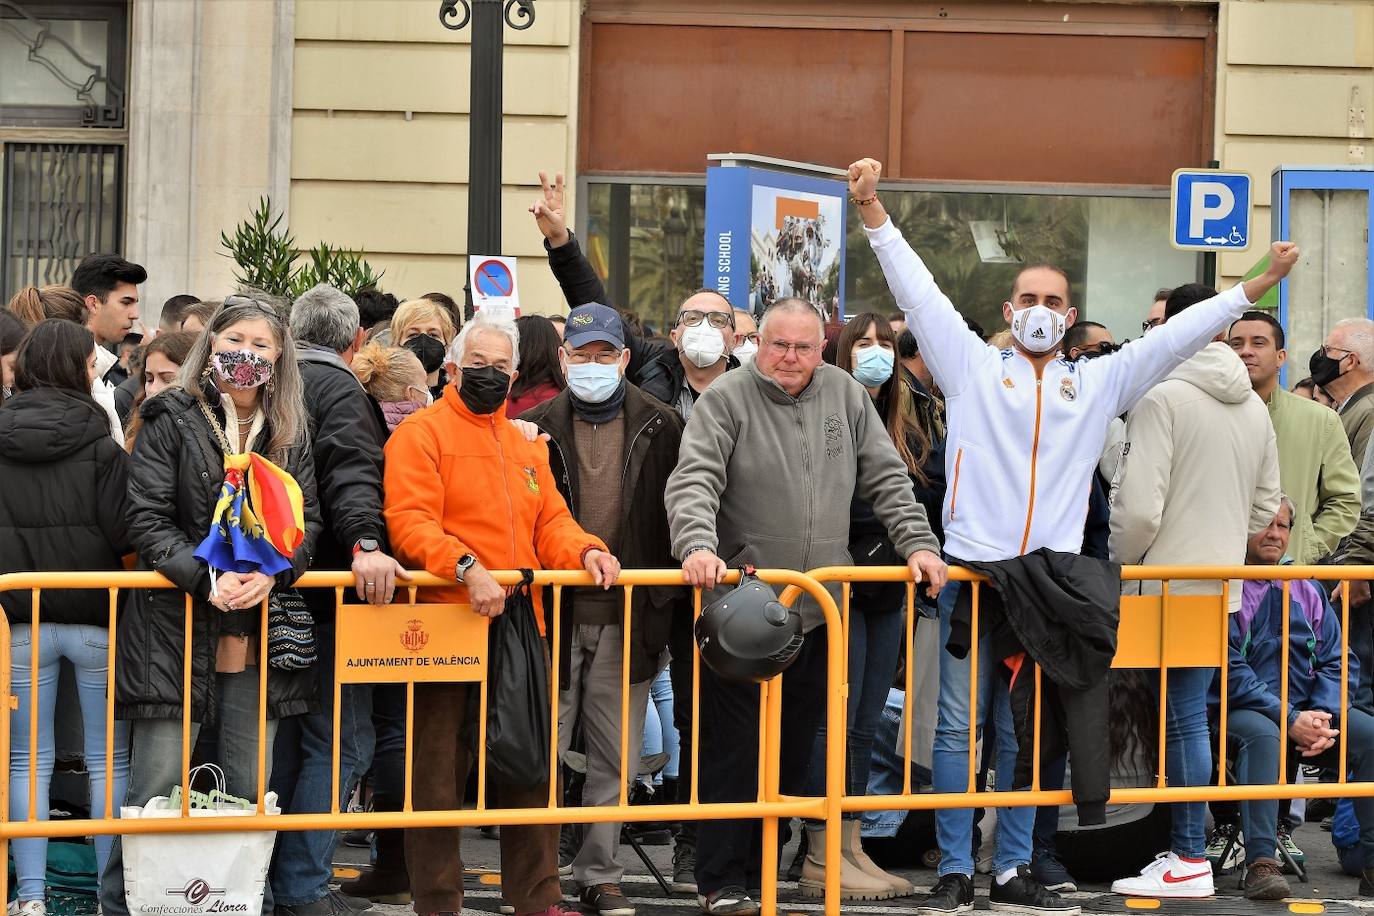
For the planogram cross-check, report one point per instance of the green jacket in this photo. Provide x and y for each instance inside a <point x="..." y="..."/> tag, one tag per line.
<point x="1317" y="473"/>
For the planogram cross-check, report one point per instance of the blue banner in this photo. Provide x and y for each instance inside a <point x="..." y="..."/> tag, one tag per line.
<point x="773" y="235"/>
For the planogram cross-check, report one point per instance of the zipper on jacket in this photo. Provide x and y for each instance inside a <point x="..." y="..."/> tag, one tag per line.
<point x="954" y="491"/>
<point x="1035" y="451"/>
<point x="505" y="483"/>
<point x="811" y="496"/>
<point x="629" y="455"/>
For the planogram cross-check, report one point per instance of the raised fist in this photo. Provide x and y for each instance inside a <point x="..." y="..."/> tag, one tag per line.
<point x="1282" y="257"/>
<point x="863" y="178"/>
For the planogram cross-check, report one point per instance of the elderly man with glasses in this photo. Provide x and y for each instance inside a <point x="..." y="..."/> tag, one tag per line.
<point x="703" y="340"/>
<point x="770" y="461"/>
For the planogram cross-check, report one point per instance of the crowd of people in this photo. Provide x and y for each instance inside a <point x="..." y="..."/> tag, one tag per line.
<point x="410" y="435"/>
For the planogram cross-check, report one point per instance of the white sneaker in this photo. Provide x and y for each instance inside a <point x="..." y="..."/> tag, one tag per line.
<point x="1169" y="876"/>
<point x="27" y="908"/>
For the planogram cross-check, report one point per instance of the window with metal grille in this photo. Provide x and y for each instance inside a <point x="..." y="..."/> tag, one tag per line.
<point x="59" y="202"/>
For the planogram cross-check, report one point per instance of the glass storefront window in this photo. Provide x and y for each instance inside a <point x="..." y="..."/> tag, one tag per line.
<point x="1114" y="249"/>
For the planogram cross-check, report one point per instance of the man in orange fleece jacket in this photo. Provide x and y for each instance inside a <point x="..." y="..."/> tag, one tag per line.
<point x="466" y="493"/>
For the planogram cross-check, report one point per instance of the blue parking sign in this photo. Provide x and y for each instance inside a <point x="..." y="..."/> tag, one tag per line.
<point x="1210" y="210"/>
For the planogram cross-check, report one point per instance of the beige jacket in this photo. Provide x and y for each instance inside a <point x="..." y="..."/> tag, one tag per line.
<point x="1199" y="473"/>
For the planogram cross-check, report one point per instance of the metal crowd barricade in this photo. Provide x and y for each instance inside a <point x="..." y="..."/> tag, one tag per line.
<point x="769" y="805"/>
<point x="1160" y="631"/>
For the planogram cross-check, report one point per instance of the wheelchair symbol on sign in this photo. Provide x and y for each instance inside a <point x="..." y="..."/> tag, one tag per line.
<point x="1235" y="238"/>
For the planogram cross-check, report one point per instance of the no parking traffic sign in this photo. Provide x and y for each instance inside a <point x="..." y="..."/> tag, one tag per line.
<point x="493" y="285"/>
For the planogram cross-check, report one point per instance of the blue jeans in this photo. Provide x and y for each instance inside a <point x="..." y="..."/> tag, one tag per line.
<point x="301" y="867"/>
<point x="885" y="773"/>
<point x="954" y="826"/>
<point x="1257" y="763"/>
<point x="87" y="648"/>
<point x="875" y="645"/>
<point x="1188" y="755"/>
<point x="660" y="735"/>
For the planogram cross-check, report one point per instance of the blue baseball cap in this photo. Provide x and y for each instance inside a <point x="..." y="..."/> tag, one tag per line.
<point x="592" y="322"/>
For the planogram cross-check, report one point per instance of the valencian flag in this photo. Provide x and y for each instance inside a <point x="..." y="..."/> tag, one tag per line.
<point x="259" y="520"/>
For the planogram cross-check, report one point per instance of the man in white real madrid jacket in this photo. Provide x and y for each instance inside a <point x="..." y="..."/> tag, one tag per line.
<point x="1025" y="431"/>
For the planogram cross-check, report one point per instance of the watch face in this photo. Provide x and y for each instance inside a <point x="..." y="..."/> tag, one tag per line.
<point x="367" y="545"/>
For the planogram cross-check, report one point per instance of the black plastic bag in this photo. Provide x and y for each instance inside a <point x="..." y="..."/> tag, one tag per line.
<point x="518" y="695"/>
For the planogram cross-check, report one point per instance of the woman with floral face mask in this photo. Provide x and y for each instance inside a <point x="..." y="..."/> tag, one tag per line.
<point x="233" y="424"/>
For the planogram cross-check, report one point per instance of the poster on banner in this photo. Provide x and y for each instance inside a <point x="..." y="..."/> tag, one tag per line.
<point x="492" y="281"/>
<point x="772" y="235"/>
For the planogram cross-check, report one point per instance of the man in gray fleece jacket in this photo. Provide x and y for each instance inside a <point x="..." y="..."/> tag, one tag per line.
<point x="769" y="462"/>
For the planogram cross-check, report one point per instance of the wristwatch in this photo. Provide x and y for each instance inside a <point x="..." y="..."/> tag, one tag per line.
<point x="465" y="562"/>
<point x="366" y="545"/>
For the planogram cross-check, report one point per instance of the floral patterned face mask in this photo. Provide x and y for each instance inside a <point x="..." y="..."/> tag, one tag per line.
<point x="242" y="369"/>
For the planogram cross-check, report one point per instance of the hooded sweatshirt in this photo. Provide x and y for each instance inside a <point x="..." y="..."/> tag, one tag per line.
<point x="1199" y="472"/>
<point x="64" y="499"/>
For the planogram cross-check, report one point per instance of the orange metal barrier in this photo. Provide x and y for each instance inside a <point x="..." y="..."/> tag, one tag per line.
<point x="1157" y="632"/>
<point x="769" y="806"/>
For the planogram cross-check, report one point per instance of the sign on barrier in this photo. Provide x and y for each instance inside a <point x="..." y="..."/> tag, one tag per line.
<point x="410" y="642"/>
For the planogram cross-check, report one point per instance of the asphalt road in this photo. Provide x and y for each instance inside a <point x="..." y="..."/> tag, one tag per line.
<point x="1327" y="891"/>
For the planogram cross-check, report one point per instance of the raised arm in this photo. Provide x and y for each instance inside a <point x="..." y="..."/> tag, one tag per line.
<point x="570" y="266"/>
<point x="1136" y="369"/>
<point x="949" y="347"/>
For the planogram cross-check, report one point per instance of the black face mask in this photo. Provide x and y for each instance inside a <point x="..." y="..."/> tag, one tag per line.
<point x="1323" y="369"/>
<point x="484" y="389"/>
<point x="429" y="351"/>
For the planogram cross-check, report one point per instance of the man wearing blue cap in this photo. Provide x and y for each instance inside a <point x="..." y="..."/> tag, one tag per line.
<point x="611" y="448"/>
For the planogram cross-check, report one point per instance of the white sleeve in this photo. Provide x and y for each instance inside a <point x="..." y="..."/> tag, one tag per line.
<point x="947" y="345"/>
<point x="1136" y="368"/>
<point x="104" y="396"/>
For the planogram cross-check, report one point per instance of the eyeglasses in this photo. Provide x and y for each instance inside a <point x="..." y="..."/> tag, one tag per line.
<point x="1103" y="348"/>
<point x="779" y="348"/>
<point x="692" y="317"/>
<point x="754" y="338"/>
<point x="601" y="358"/>
<point x="1327" y="349"/>
<point x="1145" y="326"/>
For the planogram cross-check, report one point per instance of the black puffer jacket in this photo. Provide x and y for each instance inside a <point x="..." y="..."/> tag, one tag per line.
<point x="662" y="377"/>
<point x="653" y="435"/>
<point x="174" y="484"/>
<point x="581" y="285"/>
<point x="64" y="500"/>
<point x="346" y="436"/>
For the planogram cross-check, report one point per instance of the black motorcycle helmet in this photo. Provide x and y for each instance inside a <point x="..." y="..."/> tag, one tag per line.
<point x="746" y="635"/>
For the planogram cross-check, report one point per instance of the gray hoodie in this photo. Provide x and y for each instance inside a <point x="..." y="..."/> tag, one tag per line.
<point x="766" y="479"/>
<point x="1199" y="474"/>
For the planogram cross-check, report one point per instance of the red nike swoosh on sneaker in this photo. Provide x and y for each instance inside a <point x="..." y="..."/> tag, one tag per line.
<point x="1171" y="878"/>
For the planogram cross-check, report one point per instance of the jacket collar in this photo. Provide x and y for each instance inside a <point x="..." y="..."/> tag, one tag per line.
<point x="1359" y="395"/>
<point x="556" y="415"/>
<point x="313" y="353"/>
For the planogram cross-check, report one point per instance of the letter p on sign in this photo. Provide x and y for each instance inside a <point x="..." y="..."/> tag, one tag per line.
<point x="1211" y="200"/>
<point x="1210" y="210"/>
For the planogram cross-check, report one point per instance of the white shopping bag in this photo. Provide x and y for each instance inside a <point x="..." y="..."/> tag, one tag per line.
<point x="185" y="874"/>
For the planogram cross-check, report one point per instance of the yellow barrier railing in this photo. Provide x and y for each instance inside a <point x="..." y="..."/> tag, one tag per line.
<point x="769" y="805"/>
<point x="1159" y="631"/>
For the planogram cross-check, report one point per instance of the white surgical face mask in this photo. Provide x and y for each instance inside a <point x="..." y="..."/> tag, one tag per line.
<point x="703" y="345"/>
<point x="593" y="382"/>
<point x="1037" y="328"/>
<point x="745" y="352"/>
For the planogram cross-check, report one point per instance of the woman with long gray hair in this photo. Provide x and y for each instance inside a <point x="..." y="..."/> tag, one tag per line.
<point x="234" y="424"/>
